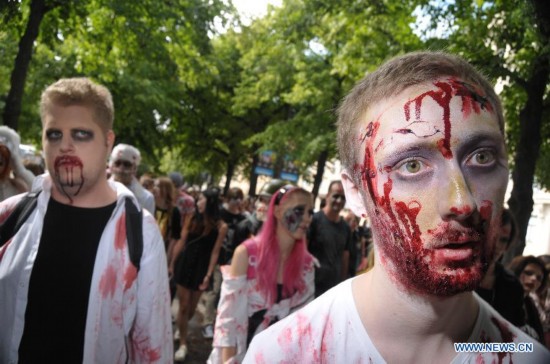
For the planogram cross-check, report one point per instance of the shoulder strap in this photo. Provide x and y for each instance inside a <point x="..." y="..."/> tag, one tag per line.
<point x="18" y="216"/>
<point x="134" y="232"/>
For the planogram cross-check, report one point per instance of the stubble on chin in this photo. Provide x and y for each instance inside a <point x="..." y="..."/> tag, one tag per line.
<point x="411" y="266"/>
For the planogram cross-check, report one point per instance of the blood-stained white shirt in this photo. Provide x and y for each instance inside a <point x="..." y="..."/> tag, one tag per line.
<point x="240" y="299"/>
<point x="329" y="330"/>
<point x="128" y="317"/>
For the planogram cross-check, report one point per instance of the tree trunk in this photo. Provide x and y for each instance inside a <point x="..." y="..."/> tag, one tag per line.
<point x="530" y="117"/>
<point x="22" y="61"/>
<point x="521" y="199"/>
<point x="229" y="175"/>
<point x="321" y="162"/>
<point x="253" y="178"/>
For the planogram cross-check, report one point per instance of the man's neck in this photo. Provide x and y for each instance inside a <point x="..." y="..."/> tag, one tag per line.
<point x="331" y="214"/>
<point x="101" y="194"/>
<point x="399" y="322"/>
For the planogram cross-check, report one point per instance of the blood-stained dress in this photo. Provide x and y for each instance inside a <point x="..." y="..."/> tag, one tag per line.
<point x="241" y="298"/>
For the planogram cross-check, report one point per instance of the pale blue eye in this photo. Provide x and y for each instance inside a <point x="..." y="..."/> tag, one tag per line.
<point x="53" y="135"/>
<point x="82" y="135"/>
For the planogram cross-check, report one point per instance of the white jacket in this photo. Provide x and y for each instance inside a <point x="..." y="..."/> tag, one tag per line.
<point x="128" y="317"/>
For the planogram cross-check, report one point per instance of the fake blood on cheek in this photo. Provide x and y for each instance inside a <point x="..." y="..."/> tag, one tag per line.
<point x="403" y="249"/>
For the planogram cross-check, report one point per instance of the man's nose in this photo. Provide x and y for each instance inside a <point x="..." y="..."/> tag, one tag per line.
<point x="455" y="200"/>
<point x="66" y="145"/>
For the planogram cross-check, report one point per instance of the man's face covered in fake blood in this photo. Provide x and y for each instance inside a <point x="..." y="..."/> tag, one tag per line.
<point x="75" y="149"/>
<point x="434" y="175"/>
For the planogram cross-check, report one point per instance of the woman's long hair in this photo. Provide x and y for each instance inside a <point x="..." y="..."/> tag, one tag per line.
<point x="269" y="254"/>
<point x="205" y="222"/>
<point x="167" y="192"/>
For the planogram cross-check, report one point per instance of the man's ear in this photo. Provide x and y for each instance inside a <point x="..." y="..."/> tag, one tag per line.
<point x="354" y="199"/>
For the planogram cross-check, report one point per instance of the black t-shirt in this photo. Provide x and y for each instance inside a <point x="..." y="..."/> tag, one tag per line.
<point x="229" y="244"/>
<point x="328" y="240"/>
<point x="169" y="224"/>
<point x="55" y="317"/>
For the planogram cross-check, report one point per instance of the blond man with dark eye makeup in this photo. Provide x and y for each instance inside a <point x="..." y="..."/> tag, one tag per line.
<point x="422" y="143"/>
<point x="71" y="289"/>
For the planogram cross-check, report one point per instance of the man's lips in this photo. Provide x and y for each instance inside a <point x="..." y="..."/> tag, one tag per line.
<point x="452" y="244"/>
<point x="456" y="251"/>
<point x="448" y="237"/>
<point x="68" y="160"/>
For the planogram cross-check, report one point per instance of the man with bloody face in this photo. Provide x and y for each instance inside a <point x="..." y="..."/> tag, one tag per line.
<point x="421" y="140"/>
<point x="69" y="290"/>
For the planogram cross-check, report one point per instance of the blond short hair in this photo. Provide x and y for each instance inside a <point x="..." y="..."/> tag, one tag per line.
<point x="392" y="78"/>
<point x="80" y="91"/>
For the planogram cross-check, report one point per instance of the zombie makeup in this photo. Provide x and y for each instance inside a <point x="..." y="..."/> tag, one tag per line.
<point x="434" y="175"/>
<point x="531" y="277"/>
<point x="69" y="174"/>
<point x="123" y="171"/>
<point x="293" y="217"/>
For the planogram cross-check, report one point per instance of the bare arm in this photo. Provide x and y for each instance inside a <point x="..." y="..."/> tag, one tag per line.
<point x="214" y="256"/>
<point x="239" y="266"/>
<point x="178" y="246"/>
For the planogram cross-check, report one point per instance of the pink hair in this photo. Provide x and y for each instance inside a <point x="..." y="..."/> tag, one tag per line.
<point x="269" y="255"/>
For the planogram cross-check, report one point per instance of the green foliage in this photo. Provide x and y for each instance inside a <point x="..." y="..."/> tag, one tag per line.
<point x="197" y="101"/>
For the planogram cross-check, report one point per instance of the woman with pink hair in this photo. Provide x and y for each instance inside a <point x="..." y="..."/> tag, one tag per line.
<point x="271" y="275"/>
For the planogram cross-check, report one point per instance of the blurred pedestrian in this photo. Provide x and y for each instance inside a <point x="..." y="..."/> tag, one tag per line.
<point x="329" y="239"/>
<point x="271" y="275"/>
<point x="123" y="165"/>
<point x="11" y="163"/>
<point x="532" y="274"/>
<point x="231" y="214"/>
<point x="500" y="287"/>
<point x="166" y="213"/>
<point x="194" y="258"/>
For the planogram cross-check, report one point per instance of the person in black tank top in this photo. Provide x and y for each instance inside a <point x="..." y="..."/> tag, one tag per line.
<point x="194" y="258"/>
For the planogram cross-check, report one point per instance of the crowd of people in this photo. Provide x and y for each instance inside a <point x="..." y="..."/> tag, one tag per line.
<point x="405" y="252"/>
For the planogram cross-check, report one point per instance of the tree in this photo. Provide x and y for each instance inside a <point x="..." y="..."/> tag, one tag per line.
<point x="12" y="110"/>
